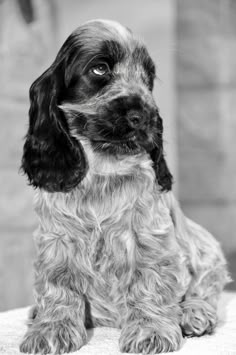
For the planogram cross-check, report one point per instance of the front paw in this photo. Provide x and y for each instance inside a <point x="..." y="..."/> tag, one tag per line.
<point x="146" y="339"/>
<point x="56" y="338"/>
<point x="199" y="318"/>
<point x="35" y="343"/>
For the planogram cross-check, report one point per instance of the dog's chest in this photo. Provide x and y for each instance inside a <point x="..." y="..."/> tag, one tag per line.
<point x="112" y="194"/>
<point x="111" y="227"/>
<point x="112" y="219"/>
<point x="114" y="209"/>
<point x="127" y="221"/>
<point x="121" y="212"/>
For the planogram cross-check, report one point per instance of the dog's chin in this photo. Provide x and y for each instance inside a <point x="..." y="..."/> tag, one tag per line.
<point x="128" y="147"/>
<point x="122" y="147"/>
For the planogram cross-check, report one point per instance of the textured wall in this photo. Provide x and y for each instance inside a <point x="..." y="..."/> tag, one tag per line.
<point x="206" y="96"/>
<point x="25" y="50"/>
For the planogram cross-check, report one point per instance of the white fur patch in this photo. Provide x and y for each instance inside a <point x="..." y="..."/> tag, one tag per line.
<point x="100" y="164"/>
<point x="117" y="28"/>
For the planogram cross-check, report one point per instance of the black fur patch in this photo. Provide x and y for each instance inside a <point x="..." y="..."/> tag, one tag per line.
<point x="140" y="54"/>
<point x="51" y="158"/>
<point x="113" y="51"/>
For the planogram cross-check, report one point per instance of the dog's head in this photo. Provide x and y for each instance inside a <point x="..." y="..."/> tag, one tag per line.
<point x="100" y="88"/>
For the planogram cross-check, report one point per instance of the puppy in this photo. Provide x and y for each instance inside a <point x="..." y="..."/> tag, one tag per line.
<point x="113" y="247"/>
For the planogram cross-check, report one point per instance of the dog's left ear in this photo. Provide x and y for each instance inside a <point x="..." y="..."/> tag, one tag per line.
<point x="160" y="167"/>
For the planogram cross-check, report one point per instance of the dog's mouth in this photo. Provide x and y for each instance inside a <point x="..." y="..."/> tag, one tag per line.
<point x="118" y="147"/>
<point x="128" y="137"/>
<point x="132" y="144"/>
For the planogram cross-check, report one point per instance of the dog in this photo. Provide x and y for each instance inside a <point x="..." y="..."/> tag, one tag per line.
<point x="113" y="246"/>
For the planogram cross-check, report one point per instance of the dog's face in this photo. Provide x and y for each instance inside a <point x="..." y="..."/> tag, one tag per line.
<point x="98" y="88"/>
<point x="109" y="98"/>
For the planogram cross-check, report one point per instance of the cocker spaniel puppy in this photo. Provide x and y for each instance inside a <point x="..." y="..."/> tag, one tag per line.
<point x="114" y="248"/>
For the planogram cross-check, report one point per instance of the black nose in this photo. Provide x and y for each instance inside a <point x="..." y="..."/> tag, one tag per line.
<point x="135" y="120"/>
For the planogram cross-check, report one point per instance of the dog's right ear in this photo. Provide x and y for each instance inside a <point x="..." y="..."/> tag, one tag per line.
<point x="52" y="159"/>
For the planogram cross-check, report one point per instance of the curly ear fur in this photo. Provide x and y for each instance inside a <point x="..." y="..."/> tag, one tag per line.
<point x="163" y="174"/>
<point x="52" y="159"/>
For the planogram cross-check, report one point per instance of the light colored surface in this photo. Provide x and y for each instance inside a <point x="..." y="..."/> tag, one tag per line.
<point x="104" y="341"/>
<point x="24" y="53"/>
<point x="206" y="96"/>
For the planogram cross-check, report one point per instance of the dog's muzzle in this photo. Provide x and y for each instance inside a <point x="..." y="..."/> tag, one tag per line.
<point x="126" y="124"/>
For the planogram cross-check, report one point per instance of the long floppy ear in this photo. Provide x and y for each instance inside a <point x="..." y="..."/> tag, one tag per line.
<point x="163" y="174"/>
<point x="52" y="159"/>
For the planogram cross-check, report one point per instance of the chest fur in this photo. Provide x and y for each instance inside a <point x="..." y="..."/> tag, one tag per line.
<point x="111" y="218"/>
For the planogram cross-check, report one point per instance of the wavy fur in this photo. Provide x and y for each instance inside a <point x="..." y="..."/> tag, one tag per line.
<point x="115" y="249"/>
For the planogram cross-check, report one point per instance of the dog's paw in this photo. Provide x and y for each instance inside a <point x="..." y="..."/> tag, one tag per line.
<point x="147" y="340"/>
<point x="57" y="338"/>
<point x="35" y="343"/>
<point x="199" y="318"/>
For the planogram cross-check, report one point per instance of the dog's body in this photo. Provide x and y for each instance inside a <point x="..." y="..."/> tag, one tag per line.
<point x="114" y="248"/>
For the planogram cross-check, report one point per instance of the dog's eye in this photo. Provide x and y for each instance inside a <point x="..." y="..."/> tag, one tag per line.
<point x="100" y="69"/>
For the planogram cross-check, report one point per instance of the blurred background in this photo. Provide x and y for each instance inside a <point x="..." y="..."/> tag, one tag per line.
<point x="194" y="46"/>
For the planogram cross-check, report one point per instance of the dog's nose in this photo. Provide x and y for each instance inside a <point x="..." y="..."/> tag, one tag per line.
<point x="135" y="120"/>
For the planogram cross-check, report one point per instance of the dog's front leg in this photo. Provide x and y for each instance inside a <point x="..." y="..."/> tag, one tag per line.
<point x="57" y="322"/>
<point x="153" y="315"/>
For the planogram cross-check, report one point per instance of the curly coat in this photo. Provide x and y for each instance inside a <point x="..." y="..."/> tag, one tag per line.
<point x="114" y="248"/>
